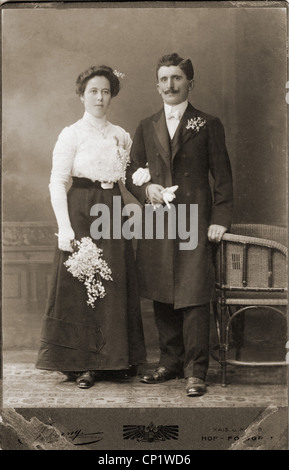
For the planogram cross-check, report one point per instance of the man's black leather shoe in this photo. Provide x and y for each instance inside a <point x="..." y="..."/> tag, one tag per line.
<point x="161" y="374"/>
<point x="195" y="387"/>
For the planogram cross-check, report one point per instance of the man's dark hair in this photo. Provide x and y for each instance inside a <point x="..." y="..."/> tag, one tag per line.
<point x="174" y="59"/>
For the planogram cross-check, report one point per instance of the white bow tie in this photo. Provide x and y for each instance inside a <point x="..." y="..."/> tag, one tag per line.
<point x="174" y="115"/>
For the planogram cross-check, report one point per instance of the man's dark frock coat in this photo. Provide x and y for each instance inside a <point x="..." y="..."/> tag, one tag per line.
<point x="166" y="273"/>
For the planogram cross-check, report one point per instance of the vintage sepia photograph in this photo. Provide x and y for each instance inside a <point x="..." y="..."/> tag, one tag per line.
<point x="144" y="226"/>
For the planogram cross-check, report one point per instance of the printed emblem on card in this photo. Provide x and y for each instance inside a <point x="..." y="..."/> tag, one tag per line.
<point x="150" y="433"/>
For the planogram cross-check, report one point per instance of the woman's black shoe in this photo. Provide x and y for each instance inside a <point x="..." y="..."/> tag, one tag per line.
<point x="71" y="376"/>
<point x="86" y="379"/>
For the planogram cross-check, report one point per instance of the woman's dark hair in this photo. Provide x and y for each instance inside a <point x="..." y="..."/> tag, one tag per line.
<point x="100" y="71"/>
<point x="174" y="59"/>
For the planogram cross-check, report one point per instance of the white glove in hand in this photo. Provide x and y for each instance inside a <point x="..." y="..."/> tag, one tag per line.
<point x="169" y="195"/>
<point x="141" y="176"/>
<point x="65" y="239"/>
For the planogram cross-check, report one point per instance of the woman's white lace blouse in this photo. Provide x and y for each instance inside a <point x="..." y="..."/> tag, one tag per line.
<point x="83" y="150"/>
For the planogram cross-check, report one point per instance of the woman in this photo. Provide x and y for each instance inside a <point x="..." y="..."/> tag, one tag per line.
<point x="79" y="338"/>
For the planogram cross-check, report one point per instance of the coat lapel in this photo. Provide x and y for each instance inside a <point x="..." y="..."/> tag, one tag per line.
<point x="182" y="133"/>
<point x="162" y="138"/>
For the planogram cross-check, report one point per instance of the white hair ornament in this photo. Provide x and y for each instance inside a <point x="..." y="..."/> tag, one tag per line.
<point x="118" y="74"/>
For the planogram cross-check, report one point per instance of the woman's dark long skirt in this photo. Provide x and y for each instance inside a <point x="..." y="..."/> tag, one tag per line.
<point x="75" y="336"/>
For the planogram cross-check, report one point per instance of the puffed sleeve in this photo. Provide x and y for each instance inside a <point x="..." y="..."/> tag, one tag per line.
<point x="63" y="156"/>
<point x="125" y="144"/>
<point x="126" y="140"/>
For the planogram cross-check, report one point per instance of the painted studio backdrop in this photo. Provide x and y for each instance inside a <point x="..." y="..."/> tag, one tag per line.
<point x="239" y="57"/>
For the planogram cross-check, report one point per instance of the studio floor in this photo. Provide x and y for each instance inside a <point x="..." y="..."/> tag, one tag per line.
<point x="25" y="386"/>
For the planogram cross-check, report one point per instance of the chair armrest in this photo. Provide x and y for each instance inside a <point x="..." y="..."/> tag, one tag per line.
<point x="231" y="237"/>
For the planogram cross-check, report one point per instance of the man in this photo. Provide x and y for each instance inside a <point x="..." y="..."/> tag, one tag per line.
<point x="181" y="149"/>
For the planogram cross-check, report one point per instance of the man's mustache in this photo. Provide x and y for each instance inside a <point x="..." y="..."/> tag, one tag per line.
<point x="171" y="90"/>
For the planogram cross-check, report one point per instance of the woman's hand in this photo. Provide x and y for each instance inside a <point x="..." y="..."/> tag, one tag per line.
<point x="141" y="176"/>
<point x="216" y="232"/>
<point x="65" y="239"/>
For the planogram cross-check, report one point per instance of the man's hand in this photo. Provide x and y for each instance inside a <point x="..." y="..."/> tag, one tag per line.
<point x="216" y="232"/>
<point x="154" y="193"/>
<point x="169" y="195"/>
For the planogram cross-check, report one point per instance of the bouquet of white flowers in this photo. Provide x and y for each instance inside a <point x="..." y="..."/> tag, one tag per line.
<point x="87" y="265"/>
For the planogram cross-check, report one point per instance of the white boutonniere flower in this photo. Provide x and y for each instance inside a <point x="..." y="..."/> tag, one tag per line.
<point x="196" y="124"/>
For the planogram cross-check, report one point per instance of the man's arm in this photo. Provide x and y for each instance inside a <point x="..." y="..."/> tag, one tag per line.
<point x="138" y="159"/>
<point x="220" y="168"/>
<point x="221" y="172"/>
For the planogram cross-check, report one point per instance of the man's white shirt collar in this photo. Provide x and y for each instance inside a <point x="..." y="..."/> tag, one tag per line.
<point x="180" y="108"/>
<point x="173" y="121"/>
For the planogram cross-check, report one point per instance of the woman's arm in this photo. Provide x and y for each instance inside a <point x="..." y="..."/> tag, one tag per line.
<point x="63" y="156"/>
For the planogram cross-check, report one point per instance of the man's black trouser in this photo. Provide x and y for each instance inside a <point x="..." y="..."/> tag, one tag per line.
<point x="184" y="338"/>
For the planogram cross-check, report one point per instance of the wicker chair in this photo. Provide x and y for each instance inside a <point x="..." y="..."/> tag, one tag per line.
<point x="251" y="274"/>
